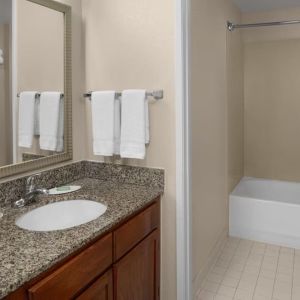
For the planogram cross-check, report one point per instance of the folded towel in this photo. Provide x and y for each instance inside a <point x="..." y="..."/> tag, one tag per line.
<point x="27" y="113"/>
<point x="37" y="117"/>
<point x="117" y="126"/>
<point x="1" y="57"/>
<point x="103" y="122"/>
<point x="147" y="122"/>
<point x="135" y="124"/>
<point x="61" y="126"/>
<point x="51" y="121"/>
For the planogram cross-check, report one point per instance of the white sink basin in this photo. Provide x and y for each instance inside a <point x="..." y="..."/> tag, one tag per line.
<point x="61" y="215"/>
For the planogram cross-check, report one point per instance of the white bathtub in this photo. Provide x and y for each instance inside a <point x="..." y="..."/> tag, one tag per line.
<point x="266" y="211"/>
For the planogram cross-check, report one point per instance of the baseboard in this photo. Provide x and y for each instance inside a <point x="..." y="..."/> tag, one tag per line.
<point x="266" y="237"/>
<point x="214" y="254"/>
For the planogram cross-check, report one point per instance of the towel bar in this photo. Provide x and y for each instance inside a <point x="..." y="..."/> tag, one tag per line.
<point x="37" y="95"/>
<point x="156" y="94"/>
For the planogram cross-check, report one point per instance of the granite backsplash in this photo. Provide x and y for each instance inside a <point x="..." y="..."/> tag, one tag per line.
<point x="14" y="189"/>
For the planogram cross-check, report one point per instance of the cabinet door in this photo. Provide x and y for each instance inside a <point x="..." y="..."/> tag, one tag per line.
<point x="136" y="275"/>
<point x="101" y="289"/>
<point x="76" y="274"/>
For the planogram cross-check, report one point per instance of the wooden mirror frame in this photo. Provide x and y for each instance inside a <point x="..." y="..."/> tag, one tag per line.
<point x="37" y="164"/>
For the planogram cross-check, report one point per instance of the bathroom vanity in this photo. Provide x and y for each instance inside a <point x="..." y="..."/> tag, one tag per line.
<point x="116" y="256"/>
<point x="121" y="264"/>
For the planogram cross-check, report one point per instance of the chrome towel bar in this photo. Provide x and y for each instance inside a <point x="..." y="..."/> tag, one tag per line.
<point x="38" y="95"/>
<point x="156" y="94"/>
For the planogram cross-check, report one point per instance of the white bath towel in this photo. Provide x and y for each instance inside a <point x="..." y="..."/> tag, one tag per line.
<point x="103" y="122"/>
<point x="51" y="121"/>
<point x="134" y="124"/>
<point x="117" y="126"/>
<point x="37" y="117"/>
<point x="147" y="122"/>
<point x="27" y="113"/>
<point x="61" y="126"/>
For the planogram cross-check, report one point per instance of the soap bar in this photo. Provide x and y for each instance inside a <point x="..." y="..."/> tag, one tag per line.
<point x="63" y="188"/>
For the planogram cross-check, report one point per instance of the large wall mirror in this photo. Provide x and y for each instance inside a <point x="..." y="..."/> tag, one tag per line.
<point x="35" y="85"/>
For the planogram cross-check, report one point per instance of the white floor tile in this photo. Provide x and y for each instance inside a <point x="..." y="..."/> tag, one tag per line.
<point x="205" y="295"/>
<point x="226" y="291"/>
<point x="247" y="270"/>
<point x="230" y="281"/>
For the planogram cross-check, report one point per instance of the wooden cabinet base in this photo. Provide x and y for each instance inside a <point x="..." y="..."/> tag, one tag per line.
<point x="68" y="280"/>
<point x="122" y="265"/>
<point x="135" y="275"/>
<point x="101" y="289"/>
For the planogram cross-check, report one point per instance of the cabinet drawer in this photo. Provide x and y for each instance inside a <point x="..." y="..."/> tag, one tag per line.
<point x="132" y="232"/>
<point x="69" y="279"/>
<point x="101" y="289"/>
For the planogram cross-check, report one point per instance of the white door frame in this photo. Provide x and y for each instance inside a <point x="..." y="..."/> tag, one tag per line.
<point x="183" y="219"/>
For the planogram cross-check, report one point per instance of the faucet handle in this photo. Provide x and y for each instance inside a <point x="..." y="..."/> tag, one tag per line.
<point x="30" y="186"/>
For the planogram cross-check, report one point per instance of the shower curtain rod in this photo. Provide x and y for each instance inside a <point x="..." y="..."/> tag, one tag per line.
<point x="231" y="26"/>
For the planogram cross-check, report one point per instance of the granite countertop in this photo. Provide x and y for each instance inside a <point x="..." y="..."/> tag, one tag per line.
<point x="26" y="254"/>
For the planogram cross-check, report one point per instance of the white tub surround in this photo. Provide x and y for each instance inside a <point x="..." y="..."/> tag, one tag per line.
<point x="266" y="210"/>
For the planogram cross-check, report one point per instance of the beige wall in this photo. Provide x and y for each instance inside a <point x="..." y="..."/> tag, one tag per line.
<point x="272" y="91"/>
<point x="130" y="44"/>
<point x="235" y="106"/>
<point x="271" y="33"/>
<point x="216" y="112"/>
<point x="5" y="120"/>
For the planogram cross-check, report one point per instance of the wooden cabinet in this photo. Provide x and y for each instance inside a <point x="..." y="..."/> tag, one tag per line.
<point x="133" y="231"/>
<point x="69" y="279"/>
<point x="101" y="289"/>
<point x="122" y="265"/>
<point x="136" y="275"/>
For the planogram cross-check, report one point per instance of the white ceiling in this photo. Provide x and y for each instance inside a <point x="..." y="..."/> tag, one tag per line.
<point x="259" y="5"/>
<point x="5" y="11"/>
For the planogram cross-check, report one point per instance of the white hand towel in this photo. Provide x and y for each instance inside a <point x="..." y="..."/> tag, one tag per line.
<point x="26" y="118"/>
<point x="117" y="126"/>
<point x="61" y="127"/>
<point x="1" y="57"/>
<point x="51" y="121"/>
<point x="147" y="122"/>
<point x="134" y="125"/>
<point x="37" y="117"/>
<point x="103" y="122"/>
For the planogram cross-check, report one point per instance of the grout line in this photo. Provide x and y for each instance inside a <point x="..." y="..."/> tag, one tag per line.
<point x="260" y="271"/>
<point x="294" y="256"/>
<point x="241" y="273"/>
<point x="276" y="273"/>
<point x="209" y="271"/>
<point x="229" y="265"/>
<point x="243" y="270"/>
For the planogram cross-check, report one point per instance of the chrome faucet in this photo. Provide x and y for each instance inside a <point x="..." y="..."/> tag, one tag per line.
<point x="31" y="192"/>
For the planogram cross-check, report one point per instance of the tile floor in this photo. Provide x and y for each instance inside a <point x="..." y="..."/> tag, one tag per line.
<point x="251" y="270"/>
